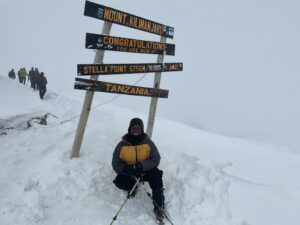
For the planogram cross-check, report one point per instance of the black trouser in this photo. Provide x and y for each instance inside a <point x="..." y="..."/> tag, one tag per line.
<point x="32" y="83"/>
<point x="42" y="92"/>
<point x="153" y="177"/>
<point x="36" y="85"/>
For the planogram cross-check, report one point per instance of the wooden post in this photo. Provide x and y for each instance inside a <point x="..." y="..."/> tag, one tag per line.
<point x="153" y="104"/>
<point x="88" y="100"/>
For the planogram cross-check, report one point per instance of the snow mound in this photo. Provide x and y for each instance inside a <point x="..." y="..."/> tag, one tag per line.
<point x="209" y="179"/>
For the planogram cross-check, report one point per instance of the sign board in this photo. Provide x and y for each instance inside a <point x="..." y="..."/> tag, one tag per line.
<point x="122" y="18"/>
<point x="93" y="85"/>
<point x="105" y="69"/>
<point x="121" y="44"/>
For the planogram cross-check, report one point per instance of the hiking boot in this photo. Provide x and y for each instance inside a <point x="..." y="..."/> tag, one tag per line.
<point x="159" y="213"/>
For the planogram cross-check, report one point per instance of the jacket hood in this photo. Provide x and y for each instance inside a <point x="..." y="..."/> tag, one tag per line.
<point x="135" y="140"/>
<point x="136" y="121"/>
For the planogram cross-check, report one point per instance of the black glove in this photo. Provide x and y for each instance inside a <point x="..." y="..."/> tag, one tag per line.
<point x="129" y="170"/>
<point x="138" y="168"/>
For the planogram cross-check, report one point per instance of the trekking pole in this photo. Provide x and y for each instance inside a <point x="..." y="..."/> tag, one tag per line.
<point x="127" y="197"/>
<point x="155" y="203"/>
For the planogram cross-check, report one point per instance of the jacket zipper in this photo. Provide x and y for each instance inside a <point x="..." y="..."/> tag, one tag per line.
<point x="136" y="156"/>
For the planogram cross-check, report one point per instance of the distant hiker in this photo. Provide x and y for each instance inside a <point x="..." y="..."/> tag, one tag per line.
<point x="30" y="77"/>
<point x="36" y="76"/>
<point x="42" y="82"/>
<point x="137" y="156"/>
<point x="23" y="75"/>
<point x="20" y="76"/>
<point x="12" y="74"/>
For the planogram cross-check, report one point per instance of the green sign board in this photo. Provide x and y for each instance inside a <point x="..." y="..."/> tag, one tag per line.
<point x="112" y="43"/>
<point x="122" y="18"/>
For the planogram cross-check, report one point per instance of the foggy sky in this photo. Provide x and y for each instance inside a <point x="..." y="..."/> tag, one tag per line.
<point x="241" y="59"/>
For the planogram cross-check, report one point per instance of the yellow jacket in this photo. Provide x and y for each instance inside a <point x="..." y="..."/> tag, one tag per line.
<point x="144" y="152"/>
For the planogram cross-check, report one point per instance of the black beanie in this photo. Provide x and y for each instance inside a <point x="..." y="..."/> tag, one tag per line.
<point x="135" y="121"/>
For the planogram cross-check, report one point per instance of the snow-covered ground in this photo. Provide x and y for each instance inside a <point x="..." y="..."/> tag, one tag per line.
<point x="209" y="179"/>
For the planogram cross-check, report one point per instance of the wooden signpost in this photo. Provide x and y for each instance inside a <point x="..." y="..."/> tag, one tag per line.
<point x="91" y="85"/>
<point x="87" y="104"/>
<point x="102" y="42"/>
<point x="121" y="44"/>
<point x="109" y="69"/>
<point x="122" y="18"/>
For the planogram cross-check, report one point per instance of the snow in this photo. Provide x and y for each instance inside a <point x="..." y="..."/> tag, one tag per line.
<point x="209" y="179"/>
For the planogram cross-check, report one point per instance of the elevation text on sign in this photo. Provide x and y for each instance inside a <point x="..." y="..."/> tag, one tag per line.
<point x="106" y="69"/>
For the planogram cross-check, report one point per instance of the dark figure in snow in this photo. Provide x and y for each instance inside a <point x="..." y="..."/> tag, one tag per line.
<point x="42" y="82"/>
<point x="31" y="78"/>
<point x="20" y="76"/>
<point x="12" y="74"/>
<point x="36" y="77"/>
<point x="137" y="156"/>
<point x="23" y="73"/>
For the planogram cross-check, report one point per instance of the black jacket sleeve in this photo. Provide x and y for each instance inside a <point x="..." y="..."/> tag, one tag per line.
<point x="153" y="160"/>
<point x="117" y="163"/>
